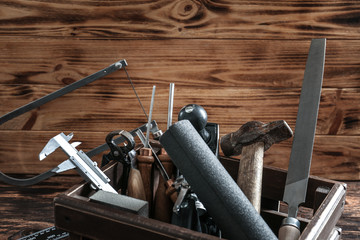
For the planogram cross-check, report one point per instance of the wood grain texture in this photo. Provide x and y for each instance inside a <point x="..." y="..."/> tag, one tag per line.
<point x="91" y="114"/>
<point x="192" y="62"/>
<point x="180" y="19"/>
<point x="28" y="209"/>
<point x="254" y="79"/>
<point x="103" y="108"/>
<point x="241" y="60"/>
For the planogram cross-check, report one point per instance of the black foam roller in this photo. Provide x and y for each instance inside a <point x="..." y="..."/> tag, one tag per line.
<point x="219" y="193"/>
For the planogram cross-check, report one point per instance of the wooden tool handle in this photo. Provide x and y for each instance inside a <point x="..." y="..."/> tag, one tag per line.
<point x="171" y="191"/>
<point x="145" y="163"/>
<point x="250" y="172"/>
<point x="289" y="232"/>
<point x="136" y="185"/>
<point x="163" y="203"/>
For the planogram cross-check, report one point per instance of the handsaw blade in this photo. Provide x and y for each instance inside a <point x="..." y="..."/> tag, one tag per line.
<point x="302" y="148"/>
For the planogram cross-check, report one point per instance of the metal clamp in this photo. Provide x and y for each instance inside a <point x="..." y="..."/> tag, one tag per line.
<point x="182" y="186"/>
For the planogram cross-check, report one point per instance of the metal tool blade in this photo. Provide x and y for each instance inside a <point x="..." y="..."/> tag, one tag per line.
<point x="157" y="160"/>
<point x="51" y="233"/>
<point x="149" y="118"/>
<point x="302" y="148"/>
<point x="52" y="145"/>
<point x="171" y="105"/>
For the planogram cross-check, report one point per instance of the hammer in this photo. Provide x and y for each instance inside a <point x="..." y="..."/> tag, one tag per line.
<point x="251" y="140"/>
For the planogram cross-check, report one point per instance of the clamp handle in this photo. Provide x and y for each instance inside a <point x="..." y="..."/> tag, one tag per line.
<point x="118" y="153"/>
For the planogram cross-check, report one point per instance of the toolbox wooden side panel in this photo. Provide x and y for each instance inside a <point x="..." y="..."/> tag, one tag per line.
<point x="105" y="222"/>
<point x="73" y="208"/>
<point x="274" y="181"/>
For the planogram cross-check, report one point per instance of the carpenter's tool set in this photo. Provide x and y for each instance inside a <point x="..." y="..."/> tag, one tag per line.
<point x="177" y="184"/>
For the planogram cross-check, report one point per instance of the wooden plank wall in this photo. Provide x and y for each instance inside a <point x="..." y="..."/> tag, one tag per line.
<point x="240" y="60"/>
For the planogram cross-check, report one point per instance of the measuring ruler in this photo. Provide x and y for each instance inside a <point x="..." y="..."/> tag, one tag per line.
<point x="51" y="233"/>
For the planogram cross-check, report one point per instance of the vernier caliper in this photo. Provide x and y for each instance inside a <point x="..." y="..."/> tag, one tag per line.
<point x="78" y="160"/>
<point x="65" y="166"/>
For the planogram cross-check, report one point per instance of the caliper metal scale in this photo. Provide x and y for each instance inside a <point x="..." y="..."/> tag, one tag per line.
<point x="51" y="233"/>
<point x="87" y="168"/>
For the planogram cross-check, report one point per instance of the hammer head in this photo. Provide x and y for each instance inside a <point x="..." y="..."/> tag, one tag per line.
<point x="255" y="131"/>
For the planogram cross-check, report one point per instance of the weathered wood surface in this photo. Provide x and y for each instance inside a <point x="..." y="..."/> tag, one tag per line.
<point x="30" y="208"/>
<point x="335" y="156"/>
<point x="27" y="209"/>
<point x="192" y="62"/>
<point x="180" y="19"/>
<point x="241" y="80"/>
<point x="102" y="108"/>
<point x="258" y="78"/>
<point x="241" y="60"/>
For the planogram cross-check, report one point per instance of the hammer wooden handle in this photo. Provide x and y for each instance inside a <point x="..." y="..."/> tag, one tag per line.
<point x="251" y="140"/>
<point x="250" y="172"/>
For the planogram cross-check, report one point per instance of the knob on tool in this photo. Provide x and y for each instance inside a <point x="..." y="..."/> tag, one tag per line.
<point x="198" y="117"/>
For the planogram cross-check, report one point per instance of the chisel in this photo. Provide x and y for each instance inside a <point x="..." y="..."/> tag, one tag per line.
<point x="302" y="147"/>
<point x="146" y="160"/>
<point x="163" y="204"/>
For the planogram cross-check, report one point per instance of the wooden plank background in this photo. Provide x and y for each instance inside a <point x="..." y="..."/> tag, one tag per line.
<point x="240" y="60"/>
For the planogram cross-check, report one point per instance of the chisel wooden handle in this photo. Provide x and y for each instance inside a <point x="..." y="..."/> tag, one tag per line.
<point x="135" y="185"/>
<point x="163" y="203"/>
<point x="250" y="173"/>
<point x="145" y="164"/>
<point x="171" y="191"/>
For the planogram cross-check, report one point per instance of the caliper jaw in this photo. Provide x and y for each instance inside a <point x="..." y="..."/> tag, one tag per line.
<point x="53" y="144"/>
<point x="87" y="168"/>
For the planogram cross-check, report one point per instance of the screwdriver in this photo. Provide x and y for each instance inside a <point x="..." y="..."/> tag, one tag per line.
<point x="163" y="203"/>
<point x="145" y="158"/>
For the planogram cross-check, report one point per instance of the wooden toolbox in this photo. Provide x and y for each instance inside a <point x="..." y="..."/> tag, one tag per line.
<point x="83" y="219"/>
